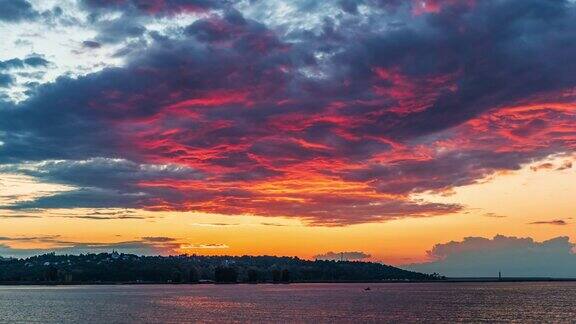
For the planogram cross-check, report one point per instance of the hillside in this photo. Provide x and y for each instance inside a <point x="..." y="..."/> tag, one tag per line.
<point x="128" y="268"/>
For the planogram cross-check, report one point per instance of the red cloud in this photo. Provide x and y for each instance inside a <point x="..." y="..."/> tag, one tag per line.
<point x="434" y="6"/>
<point x="337" y="127"/>
<point x="216" y="98"/>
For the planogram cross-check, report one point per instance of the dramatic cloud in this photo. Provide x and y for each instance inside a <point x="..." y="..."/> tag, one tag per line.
<point x="153" y="7"/>
<point x="101" y="182"/>
<point x="346" y="256"/>
<point x="6" y="80"/>
<point x="16" y="63"/>
<point x="336" y="113"/>
<point x="521" y="257"/>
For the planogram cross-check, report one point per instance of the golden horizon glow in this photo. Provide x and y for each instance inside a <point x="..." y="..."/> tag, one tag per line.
<point x="504" y="204"/>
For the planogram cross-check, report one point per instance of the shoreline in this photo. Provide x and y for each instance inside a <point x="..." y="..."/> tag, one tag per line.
<point x="448" y="280"/>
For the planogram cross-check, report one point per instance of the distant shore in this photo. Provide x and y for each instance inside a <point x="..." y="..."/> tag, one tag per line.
<point x="447" y="280"/>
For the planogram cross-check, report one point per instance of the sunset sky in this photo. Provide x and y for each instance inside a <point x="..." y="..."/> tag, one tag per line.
<point x="411" y="132"/>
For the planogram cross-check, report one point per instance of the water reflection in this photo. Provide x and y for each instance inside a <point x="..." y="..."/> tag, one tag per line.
<point x="535" y="302"/>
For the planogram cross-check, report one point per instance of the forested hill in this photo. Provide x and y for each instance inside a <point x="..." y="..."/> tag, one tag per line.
<point x="128" y="268"/>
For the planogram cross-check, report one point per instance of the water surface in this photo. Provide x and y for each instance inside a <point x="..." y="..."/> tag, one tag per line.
<point x="399" y="302"/>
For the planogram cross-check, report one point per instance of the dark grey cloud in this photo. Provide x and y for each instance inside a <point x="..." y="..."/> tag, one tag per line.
<point x="36" y="239"/>
<point x="118" y="30"/>
<point x="13" y="212"/>
<point x="33" y="61"/>
<point x="350" y="6"/>
<point x="389" y="102"/>
<point x="104" y="218"/>
<point x="558" y="222"/>
<point x="153" y="8"/>
<point x="6" y="80"/>
<point x="15" y="216"/>
<point x="485" y="257"/>
<point x="107" y="172"/>
<point x="83" y="198"/>
<point x="511" y="37"/>
<point x="136" y="247"/>
<point x="130" y="16"/>
<point x="16" y="10"/>
<point x="99" y="183"/>
<point x="36" y="61"/>
<point x="457" y="168"/>
<point x="151" y="246"/>
<point x="91" y="44"/>
<point x="11" y="64"/>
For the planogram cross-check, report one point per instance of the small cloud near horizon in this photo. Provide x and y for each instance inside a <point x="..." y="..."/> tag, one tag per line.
<point x="346" y="256"/>
<point x="494" y="215"/>
<point x="559" y="222"/>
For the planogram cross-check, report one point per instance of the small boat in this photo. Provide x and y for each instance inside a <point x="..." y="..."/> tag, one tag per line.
<point x="367" y="288"/>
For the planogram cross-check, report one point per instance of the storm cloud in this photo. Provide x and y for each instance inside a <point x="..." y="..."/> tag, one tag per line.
<point x="336" y="121"/>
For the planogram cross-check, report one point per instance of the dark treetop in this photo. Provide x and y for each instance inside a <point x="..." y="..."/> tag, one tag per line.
<point x="129" y="268"/>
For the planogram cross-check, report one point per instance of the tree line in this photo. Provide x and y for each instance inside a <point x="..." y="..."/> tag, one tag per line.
<point x="115" y="267"/>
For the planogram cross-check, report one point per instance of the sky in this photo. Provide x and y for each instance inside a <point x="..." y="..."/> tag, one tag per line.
<point x="436" y="135"/>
